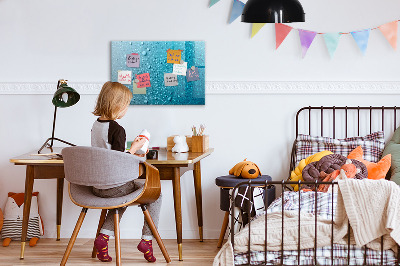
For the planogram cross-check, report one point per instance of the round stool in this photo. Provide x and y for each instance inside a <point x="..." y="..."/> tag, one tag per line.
<point x="228" y="182"/>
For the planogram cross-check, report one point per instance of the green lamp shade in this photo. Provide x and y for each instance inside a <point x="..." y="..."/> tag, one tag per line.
<point x="65" y="96"/>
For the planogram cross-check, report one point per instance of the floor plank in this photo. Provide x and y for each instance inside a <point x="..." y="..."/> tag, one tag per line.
<point x="49" y="252"/>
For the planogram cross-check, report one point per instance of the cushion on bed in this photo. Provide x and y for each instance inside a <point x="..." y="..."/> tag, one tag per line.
<point x="328" y="164"/>
<point x="375" y="170"/>
<point x="393" y="148"/>
<point x="372" y="144"/>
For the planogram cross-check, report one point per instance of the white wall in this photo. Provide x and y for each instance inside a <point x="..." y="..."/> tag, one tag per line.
<point x="42" y="41"/>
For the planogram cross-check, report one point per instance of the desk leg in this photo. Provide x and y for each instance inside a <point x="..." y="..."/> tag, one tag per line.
<point x="197" y="189"/>
<point x="60" y="190"/>
<point x="27" y="206"/>
<point x="176" y="182"/>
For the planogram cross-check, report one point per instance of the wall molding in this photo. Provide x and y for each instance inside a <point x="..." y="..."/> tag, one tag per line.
<point x="232" y="87"/>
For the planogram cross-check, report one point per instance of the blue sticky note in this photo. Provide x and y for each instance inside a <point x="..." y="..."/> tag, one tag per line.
<point x="192" y="74"/>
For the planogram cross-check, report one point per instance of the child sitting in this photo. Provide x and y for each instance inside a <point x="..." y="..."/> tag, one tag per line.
<point x="112" y="103"/>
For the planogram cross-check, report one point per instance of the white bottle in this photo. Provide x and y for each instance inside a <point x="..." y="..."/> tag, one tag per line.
<point x="144" y="134"/>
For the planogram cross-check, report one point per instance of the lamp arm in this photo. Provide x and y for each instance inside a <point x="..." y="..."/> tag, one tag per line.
<point x="54" y="126"/>
<point x="54" y="118"/>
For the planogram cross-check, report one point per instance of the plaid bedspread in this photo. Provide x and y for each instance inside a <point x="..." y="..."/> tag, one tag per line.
<point x="307" y="202"/>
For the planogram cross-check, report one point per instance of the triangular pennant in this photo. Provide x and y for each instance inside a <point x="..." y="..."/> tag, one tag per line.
<point x="237" y="9"/>
<point x="389" y="30"/>
<point x="213" y="2"/>
<point x="332" y="41"/>
<point x="306" y="39"/>
<point x="281" y="31"/>
<point x="256" y="27"/>
<point x="361" y="37"/>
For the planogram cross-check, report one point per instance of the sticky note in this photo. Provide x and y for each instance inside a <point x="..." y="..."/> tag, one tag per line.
<point x="133" y="60"/>
<point x="144" y="80"/>
<point x="125" y="76"/>
<point x="174" y="56"/>
<point x="170" y="79"/>
<point x="192" y="74"/>
<point x="180" y="69"/>
<point x="136" y="90"/>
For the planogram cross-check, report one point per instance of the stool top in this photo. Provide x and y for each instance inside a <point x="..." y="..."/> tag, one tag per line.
<point x="230" y="181"/>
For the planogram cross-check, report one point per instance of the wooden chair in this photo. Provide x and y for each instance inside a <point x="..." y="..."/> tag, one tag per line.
<point x="85" y="167"/>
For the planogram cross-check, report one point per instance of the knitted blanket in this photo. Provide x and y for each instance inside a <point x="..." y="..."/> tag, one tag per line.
<point x="371" y="207"/>
<point x="274" y="235"/>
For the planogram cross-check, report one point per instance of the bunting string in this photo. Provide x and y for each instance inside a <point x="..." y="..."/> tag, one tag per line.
<point x="361" y="37"/>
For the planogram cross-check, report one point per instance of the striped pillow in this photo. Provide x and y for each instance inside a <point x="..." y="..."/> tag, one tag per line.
<point x="372" y="145"/>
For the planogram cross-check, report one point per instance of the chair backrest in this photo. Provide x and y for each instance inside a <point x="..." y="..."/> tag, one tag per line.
<point x="92" y="166"/>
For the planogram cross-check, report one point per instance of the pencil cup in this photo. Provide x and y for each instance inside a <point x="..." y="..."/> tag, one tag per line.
<point x="200" y="143"/>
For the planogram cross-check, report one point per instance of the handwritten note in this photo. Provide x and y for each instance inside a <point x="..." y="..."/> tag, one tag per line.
<point x="174" y="56"/>
<point x="133" y="60"/>
<point x="180" y="69"/>
<point x="170" y="79"/>
<point x="192" y="74"/>
<point x="125" y="76"/>
<point x="144" y="80"/>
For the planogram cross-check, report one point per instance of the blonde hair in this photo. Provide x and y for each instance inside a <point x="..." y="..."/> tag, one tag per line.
<point x="112" y="99"/>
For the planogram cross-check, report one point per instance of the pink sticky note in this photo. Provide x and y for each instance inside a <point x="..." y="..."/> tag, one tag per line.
<point x="144" y="80"/>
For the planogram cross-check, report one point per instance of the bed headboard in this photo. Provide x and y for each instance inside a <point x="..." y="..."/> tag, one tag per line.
<point x="344" y="121"/>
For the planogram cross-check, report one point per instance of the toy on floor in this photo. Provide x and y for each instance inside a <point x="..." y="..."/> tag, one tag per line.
<point x="245" y="169"/>
<point x="13" y="215"/>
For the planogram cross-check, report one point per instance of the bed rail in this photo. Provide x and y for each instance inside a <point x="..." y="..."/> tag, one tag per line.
<point x="342" y="119"/>
<point x="265" y="185"/>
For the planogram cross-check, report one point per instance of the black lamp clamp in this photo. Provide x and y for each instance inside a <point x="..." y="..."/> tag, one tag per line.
<point x="64" y="96"/>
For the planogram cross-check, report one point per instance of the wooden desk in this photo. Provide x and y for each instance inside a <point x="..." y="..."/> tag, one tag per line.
<point x="171" y="167"/>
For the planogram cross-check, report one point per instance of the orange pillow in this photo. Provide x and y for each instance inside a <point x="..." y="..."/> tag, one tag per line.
<point x="375" y="170"/>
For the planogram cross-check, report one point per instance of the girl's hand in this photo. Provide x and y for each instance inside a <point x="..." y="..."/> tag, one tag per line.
<point x="137" y="144"/>
<point x="143" y="155"/>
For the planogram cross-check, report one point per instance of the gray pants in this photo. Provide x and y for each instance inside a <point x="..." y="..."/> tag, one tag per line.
<point x="154" y="208"/>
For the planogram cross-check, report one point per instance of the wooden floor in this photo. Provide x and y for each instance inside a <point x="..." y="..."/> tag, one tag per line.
<point x="50" y="252"/>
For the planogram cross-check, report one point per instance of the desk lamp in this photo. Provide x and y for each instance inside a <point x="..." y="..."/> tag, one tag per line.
<point x="64" y="96"/>
<point x="272" y="11"/>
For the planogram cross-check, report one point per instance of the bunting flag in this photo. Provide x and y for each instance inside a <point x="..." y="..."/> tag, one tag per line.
<point x="389" y="30"/>
<point x="237" y="9"/>
<point x="361" y="37"/>
<point x="213" y="2"/>
<point x="306" y="39"/>
<point x="256" y="27"/>
<point x="332" y="41"/>
<point x="281" y="31"/>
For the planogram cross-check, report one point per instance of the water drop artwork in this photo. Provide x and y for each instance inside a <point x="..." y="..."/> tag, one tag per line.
<point x="156" y="57"/>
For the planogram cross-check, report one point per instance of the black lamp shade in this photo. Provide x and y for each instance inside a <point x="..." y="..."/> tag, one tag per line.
<point x="65" y="96"/>
<point x="273" y="11"/>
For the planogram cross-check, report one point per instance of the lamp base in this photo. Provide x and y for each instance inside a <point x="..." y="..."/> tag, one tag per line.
<point x="50" y="146"/>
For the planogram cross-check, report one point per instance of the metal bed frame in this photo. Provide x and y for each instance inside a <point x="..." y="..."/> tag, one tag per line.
<point x="283" y="184"/>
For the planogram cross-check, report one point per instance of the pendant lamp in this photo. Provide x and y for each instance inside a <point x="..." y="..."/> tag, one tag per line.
<point x="64" y="96"/>
<point x="272" y="11"/>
